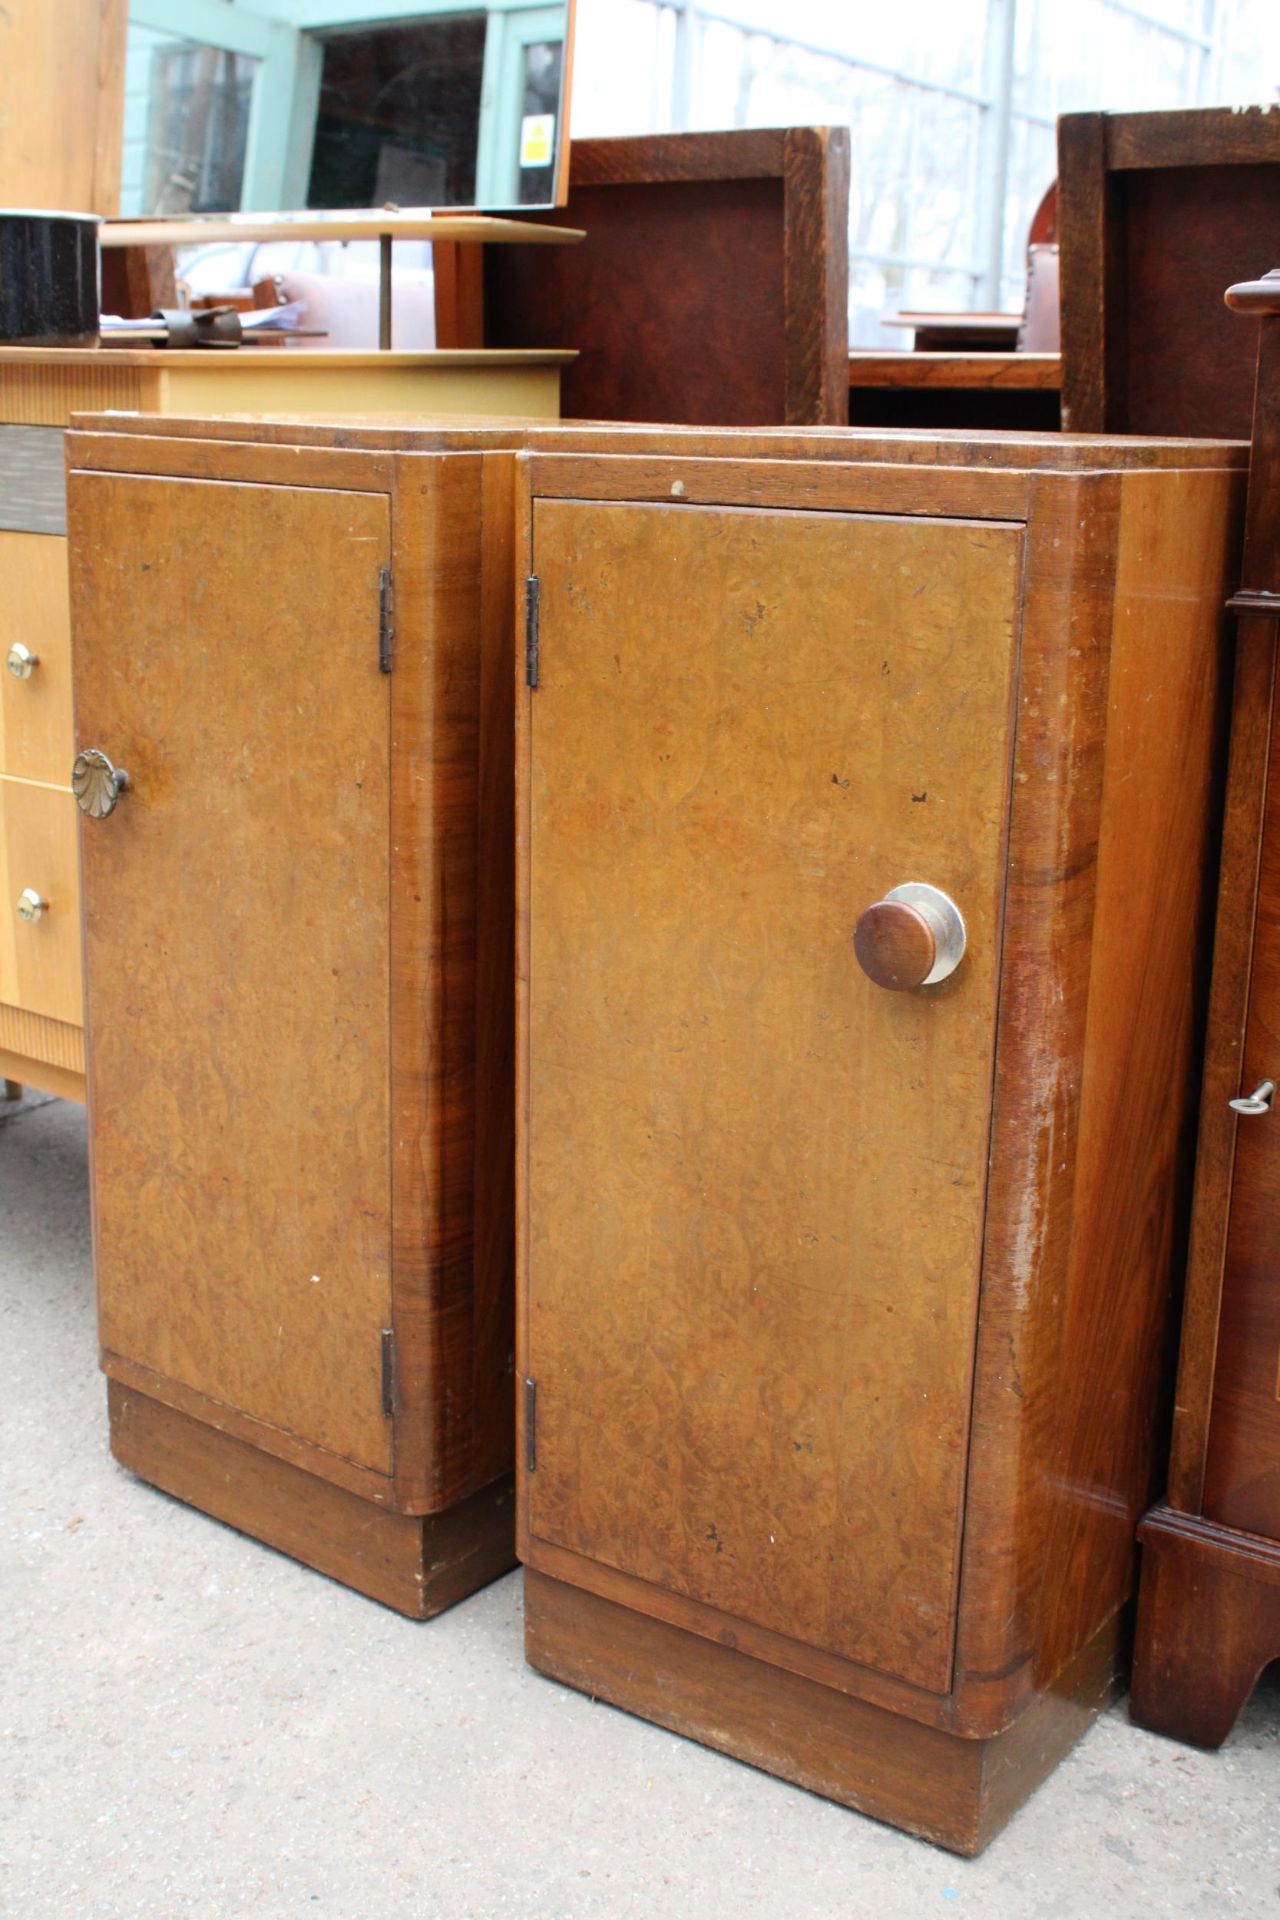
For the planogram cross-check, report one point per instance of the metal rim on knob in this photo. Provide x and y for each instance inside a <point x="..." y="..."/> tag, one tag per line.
<point x="21" y="662"/>
<point x="926" y="943"/>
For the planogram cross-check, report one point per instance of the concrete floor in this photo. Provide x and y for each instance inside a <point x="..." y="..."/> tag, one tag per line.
<point x="192" y="1725"/>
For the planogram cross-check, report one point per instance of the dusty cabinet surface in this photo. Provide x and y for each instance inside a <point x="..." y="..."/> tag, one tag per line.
<point x="248" y="866"/>
<point x="295" y="1070"/>
<point x="844" y="1320"/>
<point x="821" y="709"/>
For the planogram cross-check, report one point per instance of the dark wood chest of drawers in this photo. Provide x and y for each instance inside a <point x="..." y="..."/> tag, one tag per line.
<point x="1209" y="1617"/>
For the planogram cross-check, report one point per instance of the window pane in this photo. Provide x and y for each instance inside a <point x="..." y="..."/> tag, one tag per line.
<point x="399" y="115"/>
<point x="899" y="77"/>
<point x="186" y="125"/>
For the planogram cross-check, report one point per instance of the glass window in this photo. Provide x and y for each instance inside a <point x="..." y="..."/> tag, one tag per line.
<point x="950" y="105"/>
<point x="399" y="115"/>
<point x="186" y="125"/>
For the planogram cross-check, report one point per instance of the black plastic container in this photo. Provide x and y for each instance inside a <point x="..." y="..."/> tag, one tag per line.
<point x="49" y="279"/>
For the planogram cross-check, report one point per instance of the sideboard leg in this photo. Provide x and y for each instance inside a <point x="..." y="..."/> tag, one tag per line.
<point x="1208" y="1623"/>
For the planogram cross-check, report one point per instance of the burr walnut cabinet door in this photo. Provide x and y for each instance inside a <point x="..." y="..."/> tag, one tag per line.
<point x="755" y="1180"/>
<point x="237" y="944"/>
<point x="1242" y="1475"/>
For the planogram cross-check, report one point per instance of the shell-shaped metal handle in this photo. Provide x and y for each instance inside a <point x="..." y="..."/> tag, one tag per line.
<point x="914" y="937"/>
<point x="21" y="662"/>
<point x="96" y="784"/>
<point x="1259" y="1101"/>
<point x="31" y="907"/>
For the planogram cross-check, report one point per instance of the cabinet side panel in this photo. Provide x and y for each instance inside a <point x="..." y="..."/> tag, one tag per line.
<point x="1242" y="1464"/>
<point x="1049" y="907"/>
<point x="1157" y="852"/>
<point x="1251" y="731"/>
<point x="435" y="706"/>
<point x="494" y="1228"/>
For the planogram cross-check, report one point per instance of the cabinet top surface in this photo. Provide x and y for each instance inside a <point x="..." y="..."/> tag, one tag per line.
<point x="1072" y="453"/>
<point x="405" y="224"/>
<point x="277" y="359"/>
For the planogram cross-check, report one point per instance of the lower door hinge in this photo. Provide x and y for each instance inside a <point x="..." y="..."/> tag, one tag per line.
<point x="388" y="1374"/>
<point x="386" y="632"/>
<point x="531" y="1426"/>
<point x="532" y="636"/>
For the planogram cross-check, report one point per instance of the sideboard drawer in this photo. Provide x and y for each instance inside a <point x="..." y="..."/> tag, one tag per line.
<point x="40" y="956"/>
<point x="35" y="658"/>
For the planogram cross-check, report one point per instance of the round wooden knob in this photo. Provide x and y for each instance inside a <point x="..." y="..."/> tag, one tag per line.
<point x="914" y="937"/>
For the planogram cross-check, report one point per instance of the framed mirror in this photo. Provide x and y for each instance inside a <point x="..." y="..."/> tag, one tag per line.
<point x="255" y="105"/>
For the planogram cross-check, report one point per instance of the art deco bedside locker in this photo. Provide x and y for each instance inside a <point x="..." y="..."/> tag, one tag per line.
<point x="1209" y="1613"/>
<point x="298" y="984"/>
<point x="867" y="823"/>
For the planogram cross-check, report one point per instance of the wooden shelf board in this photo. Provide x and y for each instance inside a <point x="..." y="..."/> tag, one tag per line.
<point x="1042" y="370"/>
<point x="472" y="227"/>
<point x="273" y="358"/>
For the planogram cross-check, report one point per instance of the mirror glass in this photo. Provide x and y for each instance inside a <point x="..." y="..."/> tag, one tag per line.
<point x="261" y="105"/>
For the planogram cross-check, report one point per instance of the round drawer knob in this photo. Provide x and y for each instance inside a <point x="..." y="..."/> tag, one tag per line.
<point x="31" y="907"/>
<point x="914" y="937"/>
<point x="21" y="662"/>
<point x="96" y="784"/>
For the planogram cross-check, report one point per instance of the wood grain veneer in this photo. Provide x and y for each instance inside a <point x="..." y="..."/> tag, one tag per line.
<point x="762" y="1237"/>
<point x="1157" y="214"/>
<point x="712" y="288"/>
<point x="62" y="103"/>
<point x="295" y="1054"/>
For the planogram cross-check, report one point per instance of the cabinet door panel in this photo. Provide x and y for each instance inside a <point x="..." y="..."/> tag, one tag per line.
<point x="237" y="920"/>
<point x="756" y="1180"/>
<point x="1242" y="1479"/>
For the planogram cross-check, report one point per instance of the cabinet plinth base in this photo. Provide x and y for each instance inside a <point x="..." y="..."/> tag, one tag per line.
<point x="1208" y="1623"/>
<point x="955" y="1792"/>
<point x="418" y="1565"/>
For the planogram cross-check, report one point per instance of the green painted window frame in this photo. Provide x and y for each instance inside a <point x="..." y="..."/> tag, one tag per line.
<point x="285" y="37"/>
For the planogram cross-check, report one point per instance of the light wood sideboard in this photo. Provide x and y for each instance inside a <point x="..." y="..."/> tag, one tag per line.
<point x="41" y="1022"/>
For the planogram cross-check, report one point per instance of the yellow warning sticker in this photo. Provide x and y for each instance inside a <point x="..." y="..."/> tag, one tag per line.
<point x="537" y="139"/>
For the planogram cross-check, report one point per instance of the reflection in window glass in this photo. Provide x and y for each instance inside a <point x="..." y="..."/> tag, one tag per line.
<point x="539" y="108"/>
<point x="946" y="171"/>
<point x="186" y="126"/>
<point x="400" y="115"/>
